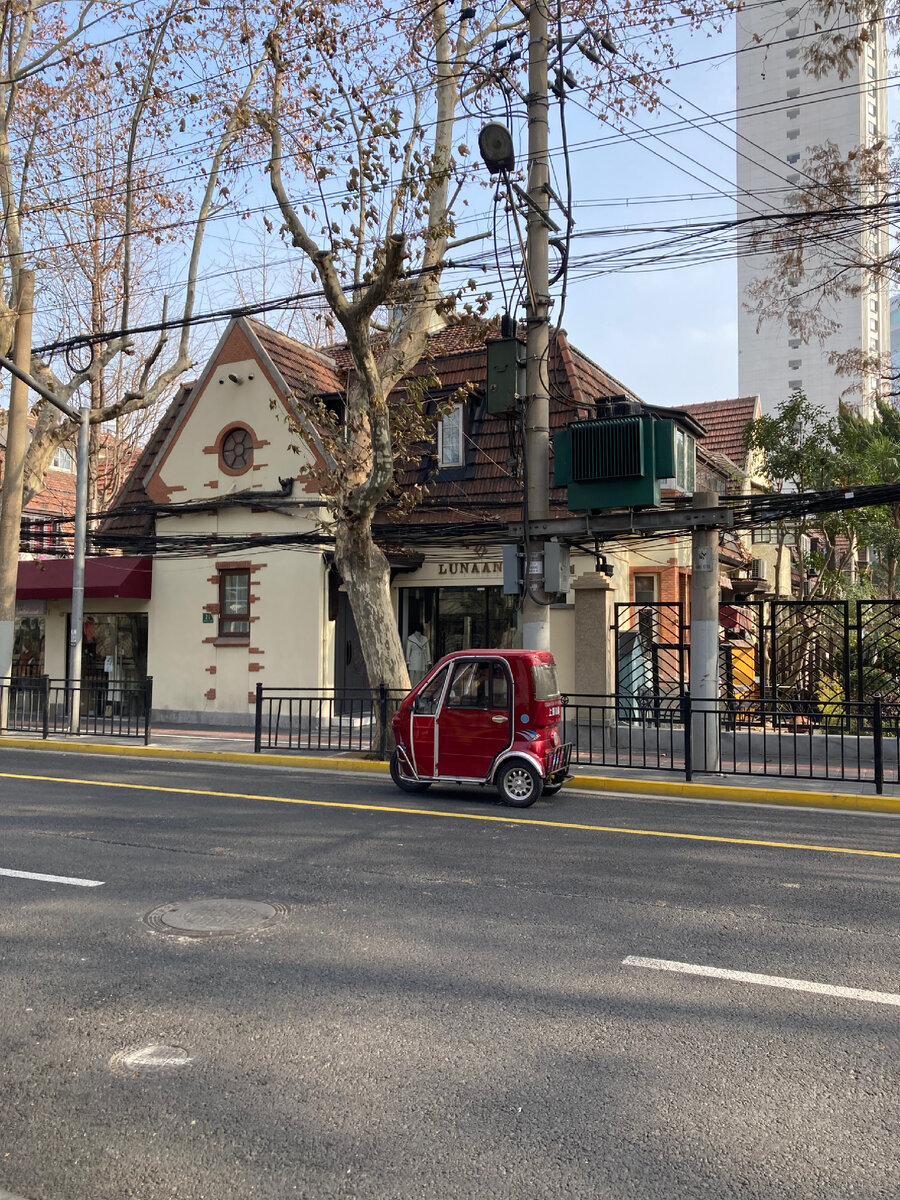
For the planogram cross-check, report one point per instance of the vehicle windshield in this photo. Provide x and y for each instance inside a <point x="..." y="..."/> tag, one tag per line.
<point x="546" y="685"/>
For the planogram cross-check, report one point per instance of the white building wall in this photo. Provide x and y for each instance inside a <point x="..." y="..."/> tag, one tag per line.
<point x="782" y="112"/>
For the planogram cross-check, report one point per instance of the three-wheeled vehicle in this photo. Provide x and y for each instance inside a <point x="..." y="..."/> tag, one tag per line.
<point x="485" y="717"/>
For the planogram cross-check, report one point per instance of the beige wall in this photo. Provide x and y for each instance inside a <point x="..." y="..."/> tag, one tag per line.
<point x="290" y="643"/>
<point x="289" y="646"/>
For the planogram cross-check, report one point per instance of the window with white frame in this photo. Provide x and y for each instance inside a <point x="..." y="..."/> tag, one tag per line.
<point x="685" y="460"/>
<point x="62" y="460"/>
<point x="450" y="448"/>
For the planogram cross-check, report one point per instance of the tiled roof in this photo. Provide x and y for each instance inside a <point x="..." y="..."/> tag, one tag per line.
<point x="490" y="485"/>
<point x="307" y="372"/>
<point x="726" y="421"/>
<point x="132" y="491"/>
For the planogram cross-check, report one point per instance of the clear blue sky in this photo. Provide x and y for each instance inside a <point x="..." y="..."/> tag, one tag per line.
<point x="670" y="335"/>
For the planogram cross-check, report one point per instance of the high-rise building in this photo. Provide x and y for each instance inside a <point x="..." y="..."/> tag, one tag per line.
<point x="782" y="112"/>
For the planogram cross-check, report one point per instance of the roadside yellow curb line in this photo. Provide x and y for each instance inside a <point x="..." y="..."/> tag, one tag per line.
<point x="235" y="756"/>
<point x="790" y="797"/>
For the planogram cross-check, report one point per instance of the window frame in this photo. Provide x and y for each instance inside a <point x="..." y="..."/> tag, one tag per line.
<point x="654" y="575"/>
<point x="457" y="416"/>
<point x="243" y="616"/>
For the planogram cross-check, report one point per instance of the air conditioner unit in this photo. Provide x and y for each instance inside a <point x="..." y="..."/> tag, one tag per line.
<point x="759" y="569"/>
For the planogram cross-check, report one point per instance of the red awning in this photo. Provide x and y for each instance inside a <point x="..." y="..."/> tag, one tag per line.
<point x="732" y="617"/>
<point x="104" y="578"/>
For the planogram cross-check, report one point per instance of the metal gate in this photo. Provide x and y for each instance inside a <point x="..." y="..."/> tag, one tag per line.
<point x="651" y="649"/>
<point x="877" y="635"/>
<point x="810" y="644"/>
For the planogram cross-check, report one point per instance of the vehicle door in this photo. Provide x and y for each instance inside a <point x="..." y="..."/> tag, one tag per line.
<point x="474" y="723"/>
<point x="423" y="724"/>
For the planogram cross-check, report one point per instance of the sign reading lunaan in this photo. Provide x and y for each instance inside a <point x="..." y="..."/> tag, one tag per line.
<point x="470" y="568"/>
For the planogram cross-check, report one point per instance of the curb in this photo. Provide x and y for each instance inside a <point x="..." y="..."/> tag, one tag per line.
<point x="786" y="797"/>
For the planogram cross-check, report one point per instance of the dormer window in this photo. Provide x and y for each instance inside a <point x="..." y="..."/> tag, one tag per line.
<point x="685" y="460"/>
<point x="450" y="449"/>
<point x="62" y="460"/>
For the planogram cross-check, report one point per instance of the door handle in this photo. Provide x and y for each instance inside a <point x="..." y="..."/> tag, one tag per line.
<point x="499" y="720"/>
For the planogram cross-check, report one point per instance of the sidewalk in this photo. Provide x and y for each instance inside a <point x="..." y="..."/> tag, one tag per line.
<point x="204" y="743"/>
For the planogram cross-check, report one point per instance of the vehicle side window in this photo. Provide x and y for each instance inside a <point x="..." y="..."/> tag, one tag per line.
<point x="427" y="700"/>
<point x="471" y="686"/>
<point x="499" y="687"/>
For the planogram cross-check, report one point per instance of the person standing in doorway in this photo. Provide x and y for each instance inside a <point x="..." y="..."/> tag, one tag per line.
<point x="418" y="655"/>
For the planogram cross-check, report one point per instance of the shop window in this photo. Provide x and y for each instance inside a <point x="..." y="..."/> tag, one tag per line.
<point x="450" y="439"/>
<point x="28" y="646"/>
<point x="234" y="604"/>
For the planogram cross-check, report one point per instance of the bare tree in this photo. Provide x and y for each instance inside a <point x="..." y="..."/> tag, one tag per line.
<point x="111" y="167"/>
<point x="371" y="198"/>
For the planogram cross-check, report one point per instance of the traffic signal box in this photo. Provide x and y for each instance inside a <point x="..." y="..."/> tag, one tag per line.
<point x="614" y="462"/>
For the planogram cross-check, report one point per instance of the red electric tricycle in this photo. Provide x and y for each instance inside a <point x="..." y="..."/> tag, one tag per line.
<point x="484" y="717"/>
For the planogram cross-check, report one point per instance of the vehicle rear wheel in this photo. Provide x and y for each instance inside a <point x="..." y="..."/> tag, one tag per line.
<point x="402" y="782"/>
<point x="518" y="783"/>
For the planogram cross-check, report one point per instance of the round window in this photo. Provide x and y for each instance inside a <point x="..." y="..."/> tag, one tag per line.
<point x="237" y="449"/>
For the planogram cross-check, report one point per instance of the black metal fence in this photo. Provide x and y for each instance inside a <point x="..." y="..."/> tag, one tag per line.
<point x="846" y="741"/>
<point x="40" y="705"/>
<point x="323" y="719"/>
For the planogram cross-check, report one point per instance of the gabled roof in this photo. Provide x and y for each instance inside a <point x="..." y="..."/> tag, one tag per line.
<point x="489" y="486"/>
<point x="307" y="372"/>
<point x="726" y="421"/>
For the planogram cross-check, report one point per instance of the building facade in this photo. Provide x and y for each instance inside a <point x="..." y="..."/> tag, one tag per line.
<point x="219" y="574"/>
<point x="782" y="112"/>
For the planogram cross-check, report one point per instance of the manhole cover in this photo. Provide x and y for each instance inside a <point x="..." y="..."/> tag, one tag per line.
<point x="214" y="918"/>
<point x="140" y="1059"/>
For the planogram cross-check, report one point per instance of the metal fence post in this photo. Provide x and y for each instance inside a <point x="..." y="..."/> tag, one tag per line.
<point x="45" y="716"/>
<point x="688" y="720"/>
<point x="878" y="741"/>
<point x="382" y="720"/>
<point x="257" y="726"/>
<point x="148" y="705"/>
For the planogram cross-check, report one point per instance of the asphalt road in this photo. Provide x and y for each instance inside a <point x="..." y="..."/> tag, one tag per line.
<point x="445" y="1009"/>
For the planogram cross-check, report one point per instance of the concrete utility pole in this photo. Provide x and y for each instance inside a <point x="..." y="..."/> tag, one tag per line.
<point x="76" y="623"/>
<point x="21" y="376"/>
<point x="704" y="665"/>
<point x="535" y="611"/>
<point x="14" y="476"/>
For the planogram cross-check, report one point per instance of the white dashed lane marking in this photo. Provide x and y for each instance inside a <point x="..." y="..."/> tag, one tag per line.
<point x="51" y="879"/>
<point x="776" y="981"/>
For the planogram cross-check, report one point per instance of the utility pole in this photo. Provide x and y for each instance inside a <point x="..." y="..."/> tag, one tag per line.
<point x="21" y="376"/>
<point x="13" y="479"/>
<point x="535" y="612"/>
<point x="76" y="623"/>
<point x="704" y="663"/>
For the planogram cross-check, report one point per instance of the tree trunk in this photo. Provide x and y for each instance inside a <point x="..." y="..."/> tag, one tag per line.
<point x="366" y="575"/>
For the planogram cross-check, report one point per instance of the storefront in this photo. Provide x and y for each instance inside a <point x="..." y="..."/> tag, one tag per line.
<point x="456" y="603"/>
<point x="116" y="622"/>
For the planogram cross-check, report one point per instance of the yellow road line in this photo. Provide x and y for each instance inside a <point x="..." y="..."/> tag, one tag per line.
<point x="457" y="816"/>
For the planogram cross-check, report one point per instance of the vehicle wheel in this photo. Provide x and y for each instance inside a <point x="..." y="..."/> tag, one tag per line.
<point x="552" y="789"/>
<point x="518" y="783"/>
<point x="404" y="784"/>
